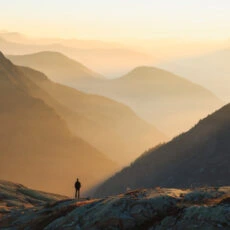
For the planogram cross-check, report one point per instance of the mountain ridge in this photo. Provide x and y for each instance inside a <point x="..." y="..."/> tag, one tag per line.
<point x="109" y="60"/>
<point x="57" y="66"/>
<point x="159" y="97"/>
<point x="171" y="102"/>
<point x="198" y="157"/>
<point x="101" y="121"/>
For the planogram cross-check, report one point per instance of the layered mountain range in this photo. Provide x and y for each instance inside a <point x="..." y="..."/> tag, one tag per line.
<point x="160" y="97"/>
<point x="109" y="58"/>
<point x="55" y="132"/>
<point x="110" y="126"/>
<point x="56" y="66"/>
<point x="36" y="145"/>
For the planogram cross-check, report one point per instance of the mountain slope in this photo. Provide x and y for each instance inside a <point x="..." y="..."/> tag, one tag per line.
<point x="110" y="126"/>
<point x="162" y="98"/>
<point x="211" y="70"/>
<point x="57" y="66"/>
<point x="196" y="158"/>
<point x="171" y="102"/>
<point x="36" y="146"/>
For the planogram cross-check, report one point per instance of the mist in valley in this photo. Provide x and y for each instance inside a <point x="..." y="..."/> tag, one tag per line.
<point x="129" y="99"/>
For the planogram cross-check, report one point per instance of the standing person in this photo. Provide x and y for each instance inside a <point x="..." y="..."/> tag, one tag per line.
<point x="77" y="188"/>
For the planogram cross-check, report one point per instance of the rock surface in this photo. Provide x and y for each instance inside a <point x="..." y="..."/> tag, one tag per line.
<point x="153" y="209"/>
<point x="15" y="197"/>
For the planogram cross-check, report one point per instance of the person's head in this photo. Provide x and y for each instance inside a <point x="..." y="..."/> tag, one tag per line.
<point x="77" y="179"/>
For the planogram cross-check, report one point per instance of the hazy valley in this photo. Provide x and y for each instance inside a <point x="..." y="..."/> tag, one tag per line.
<point x="37" y="143"/>
<point x="114" y="115"/>
<point x="160" y="97"/>
<point x="211" y="69"/>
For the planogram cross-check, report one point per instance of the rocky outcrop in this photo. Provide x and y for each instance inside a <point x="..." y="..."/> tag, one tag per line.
<point x="15" y="197"/>
<point x="153" y="209"/>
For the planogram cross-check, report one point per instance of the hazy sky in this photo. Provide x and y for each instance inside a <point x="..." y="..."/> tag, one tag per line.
<point x="115" y="19"/>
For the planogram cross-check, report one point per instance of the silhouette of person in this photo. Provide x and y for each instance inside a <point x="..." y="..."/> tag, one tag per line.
<point x="77" y="188"/>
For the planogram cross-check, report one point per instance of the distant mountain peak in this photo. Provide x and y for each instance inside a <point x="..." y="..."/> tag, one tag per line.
<point x="50" y="53"/>
<point x="56" y="66"/>
<point x="47" y="55"/>
<point x="147" y="73"/>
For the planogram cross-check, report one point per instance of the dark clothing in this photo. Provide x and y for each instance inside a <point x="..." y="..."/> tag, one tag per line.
<point x="77" y="187"/>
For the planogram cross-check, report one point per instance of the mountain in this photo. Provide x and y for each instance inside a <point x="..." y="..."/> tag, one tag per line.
<point x="211" y="70"/>
<point x="36" y="146"/>
<point x="13" y="36"/>
<point x="56" y="66"/>
<point x="75" y="43"/>
<point x="160" y="208"/>
<point x="110" y="60"/>
<point x="162" y="98"/>
<point x="111" y="127"/>
<point x="171" y="102"/>
<point x="199" y="157"/>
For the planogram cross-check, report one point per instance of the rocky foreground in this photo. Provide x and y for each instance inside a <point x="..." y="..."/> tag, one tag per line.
<point x="159" y="208"/>
<point x="15" y="197"/>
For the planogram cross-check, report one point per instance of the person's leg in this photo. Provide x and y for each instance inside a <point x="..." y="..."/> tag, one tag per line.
<point x="78" y="194"/>
<point x="75" y="194"/>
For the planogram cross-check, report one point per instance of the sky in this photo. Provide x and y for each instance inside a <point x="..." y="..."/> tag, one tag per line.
<point x="118" y="19"/>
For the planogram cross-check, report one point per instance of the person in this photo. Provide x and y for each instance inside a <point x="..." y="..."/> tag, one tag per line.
<point x="77" y="188"/>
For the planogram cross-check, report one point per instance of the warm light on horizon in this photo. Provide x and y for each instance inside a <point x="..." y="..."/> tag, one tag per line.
<point x="118" y="20"/>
